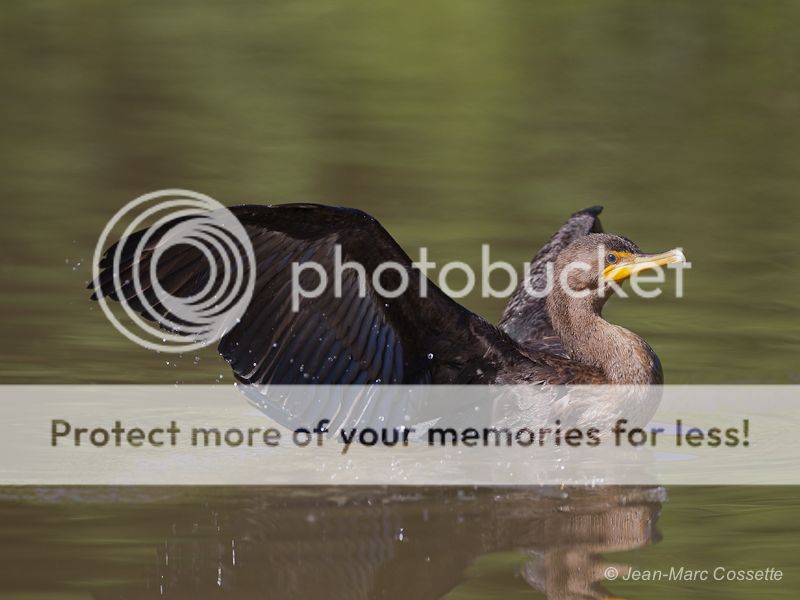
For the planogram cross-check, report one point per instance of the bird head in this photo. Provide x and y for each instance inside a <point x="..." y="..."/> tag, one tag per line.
<point x="589" y="266"/>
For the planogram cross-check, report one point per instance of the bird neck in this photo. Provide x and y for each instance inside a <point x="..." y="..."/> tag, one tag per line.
<point x="623" y="356"/>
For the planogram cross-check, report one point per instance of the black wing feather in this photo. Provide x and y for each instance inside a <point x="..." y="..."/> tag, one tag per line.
<point x="352" y="339"/>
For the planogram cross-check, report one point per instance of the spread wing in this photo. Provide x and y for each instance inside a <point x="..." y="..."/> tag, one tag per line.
<point x="338" y="338"/>
<point x="525" y="318"/>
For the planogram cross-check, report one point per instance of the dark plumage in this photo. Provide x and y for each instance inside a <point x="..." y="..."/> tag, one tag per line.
<point x="408" y="339"/>
<point x="525" y="318"/>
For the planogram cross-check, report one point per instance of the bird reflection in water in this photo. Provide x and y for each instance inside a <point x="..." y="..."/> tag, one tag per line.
<point x="394" y="542"/>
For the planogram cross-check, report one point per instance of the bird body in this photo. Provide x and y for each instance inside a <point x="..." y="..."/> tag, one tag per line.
<point x="421" y="336"/>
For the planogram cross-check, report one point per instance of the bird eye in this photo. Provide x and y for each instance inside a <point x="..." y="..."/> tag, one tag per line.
<point x="611" y="258"/>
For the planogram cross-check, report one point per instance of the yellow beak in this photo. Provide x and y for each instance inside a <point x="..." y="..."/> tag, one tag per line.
<point x="627" y="266"/>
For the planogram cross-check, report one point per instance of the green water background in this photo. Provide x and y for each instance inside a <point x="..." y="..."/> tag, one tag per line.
<point x="455" y="123"/>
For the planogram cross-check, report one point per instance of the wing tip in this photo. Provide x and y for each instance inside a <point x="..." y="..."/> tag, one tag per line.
<point x="592" y="210"/>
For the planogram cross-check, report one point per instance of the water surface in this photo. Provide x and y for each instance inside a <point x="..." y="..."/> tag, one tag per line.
<point x="456" y="124"/>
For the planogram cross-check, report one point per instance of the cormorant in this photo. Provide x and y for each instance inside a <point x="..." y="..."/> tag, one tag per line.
<point x="414" y="338"/>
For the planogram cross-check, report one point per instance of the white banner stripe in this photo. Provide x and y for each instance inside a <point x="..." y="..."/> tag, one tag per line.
<point x="435" y="435"/>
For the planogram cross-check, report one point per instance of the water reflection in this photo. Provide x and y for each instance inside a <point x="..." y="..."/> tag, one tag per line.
<point x="390" y="543"/>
